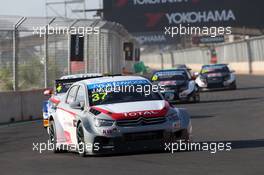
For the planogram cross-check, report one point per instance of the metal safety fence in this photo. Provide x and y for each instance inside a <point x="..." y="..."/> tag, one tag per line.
<point x="30" y="59"/>
<point x="246" y="51"/>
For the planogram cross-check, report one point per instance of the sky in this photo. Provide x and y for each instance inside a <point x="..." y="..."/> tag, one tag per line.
<point x="37" y="7"/>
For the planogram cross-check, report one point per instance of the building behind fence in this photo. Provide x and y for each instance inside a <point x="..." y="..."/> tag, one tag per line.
<point x="244" y="56"/>
<point x="28" y="61"/>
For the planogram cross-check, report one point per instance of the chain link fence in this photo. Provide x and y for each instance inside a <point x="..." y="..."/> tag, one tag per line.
<point x="30" y="61"/>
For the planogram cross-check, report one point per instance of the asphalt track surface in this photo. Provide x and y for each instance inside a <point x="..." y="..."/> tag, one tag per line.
<point x="223" y="116"/>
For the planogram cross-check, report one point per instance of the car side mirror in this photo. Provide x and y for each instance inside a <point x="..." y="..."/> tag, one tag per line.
<point x="47" y="92"/>
<point x="77" y="105"/>
<point x="196" y="74"/>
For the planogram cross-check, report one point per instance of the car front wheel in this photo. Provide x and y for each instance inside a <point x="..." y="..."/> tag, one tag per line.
<point x="233" y="86"/>
<point x="81" y="142"/>
<point x="196" y="98"/>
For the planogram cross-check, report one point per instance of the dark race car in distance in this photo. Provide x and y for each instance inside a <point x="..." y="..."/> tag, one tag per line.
<point x="216" y="76"/>
<point x="178" y="85"/>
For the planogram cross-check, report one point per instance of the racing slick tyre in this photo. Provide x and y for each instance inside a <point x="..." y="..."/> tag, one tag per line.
<point x="80" y="139"/>
<point x="53" y="138"/>
<point x="185" y="136"/>
<point x="182" y="135"/>
<point x="196" y="98"/>
<point x="233" y="86"/>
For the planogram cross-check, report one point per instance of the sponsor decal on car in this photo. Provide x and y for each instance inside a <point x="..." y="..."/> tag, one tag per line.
<point x="140" y="113"/>
<point x="135" y="114"/>
<point x="116" y="83"/>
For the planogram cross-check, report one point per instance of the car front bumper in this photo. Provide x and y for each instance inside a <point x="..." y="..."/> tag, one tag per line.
<point x="135" y="142"/>
<point x="126" y="139"/>
<point x="179" y="97"/>
<point x="217" y="86"/>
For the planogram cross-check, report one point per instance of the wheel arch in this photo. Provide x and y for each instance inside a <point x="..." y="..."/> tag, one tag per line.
<point x="51" y="118"/>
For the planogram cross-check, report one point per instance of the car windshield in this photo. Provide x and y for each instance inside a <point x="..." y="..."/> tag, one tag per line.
<point x="62" y="87"/>
<point x="170" y="75"/>
<point x="122" y="94"/>
<point x="214" y="69"/>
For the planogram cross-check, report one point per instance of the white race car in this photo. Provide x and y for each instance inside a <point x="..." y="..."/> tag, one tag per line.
<point x="101" y="115"/>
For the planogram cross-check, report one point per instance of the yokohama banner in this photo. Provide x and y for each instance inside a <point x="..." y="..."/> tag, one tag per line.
<point x="153" y="15"/>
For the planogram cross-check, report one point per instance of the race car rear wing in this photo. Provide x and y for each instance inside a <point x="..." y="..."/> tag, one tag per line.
<point x="62" y="85"/>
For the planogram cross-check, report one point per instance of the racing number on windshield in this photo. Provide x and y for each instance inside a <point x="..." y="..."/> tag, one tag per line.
<point x="98" y="96"/>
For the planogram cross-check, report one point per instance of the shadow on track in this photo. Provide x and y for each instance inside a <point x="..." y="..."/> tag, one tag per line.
<point x="201" y="116"/>
<point x="231" y="100"/>
<point x="235" y="144"/>
<point x="250" y="88"/>
<point x="241" y="144"/>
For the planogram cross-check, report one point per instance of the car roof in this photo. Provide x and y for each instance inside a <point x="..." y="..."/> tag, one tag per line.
<point x="211" y="65"/>
<point x="175" y="69"/>
<point x="73" y="76"/>
<point x="184" y="66"/>
<point x="111" y="79"/>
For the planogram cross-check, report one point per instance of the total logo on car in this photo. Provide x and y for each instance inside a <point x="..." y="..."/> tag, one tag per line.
<point x="178" y="85"/>
<point x="112" y="120"/>
<point x="216" y="76"/>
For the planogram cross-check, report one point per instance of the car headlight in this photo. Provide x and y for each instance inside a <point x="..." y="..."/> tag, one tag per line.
<point x="203" y="79"/>
<point x="102" y="122"/>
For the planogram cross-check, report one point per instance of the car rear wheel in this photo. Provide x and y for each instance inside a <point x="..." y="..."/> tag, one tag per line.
<point x="185" y="136"/>
<point x="233" y="86"/>
<point x="81" y="142"/>
<point x="53" y="137"/>
<point x="196" y="98"/>
<point x="182" y="135"/>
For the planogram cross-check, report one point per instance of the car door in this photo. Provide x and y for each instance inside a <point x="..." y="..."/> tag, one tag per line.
<point x="72" y="121"/>
<point x="66" y="117"/>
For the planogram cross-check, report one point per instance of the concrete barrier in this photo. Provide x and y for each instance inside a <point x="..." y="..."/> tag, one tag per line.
<point x="245" y="57"/>
<point x="257" y="67"/>
<point x="21" y="105"/>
